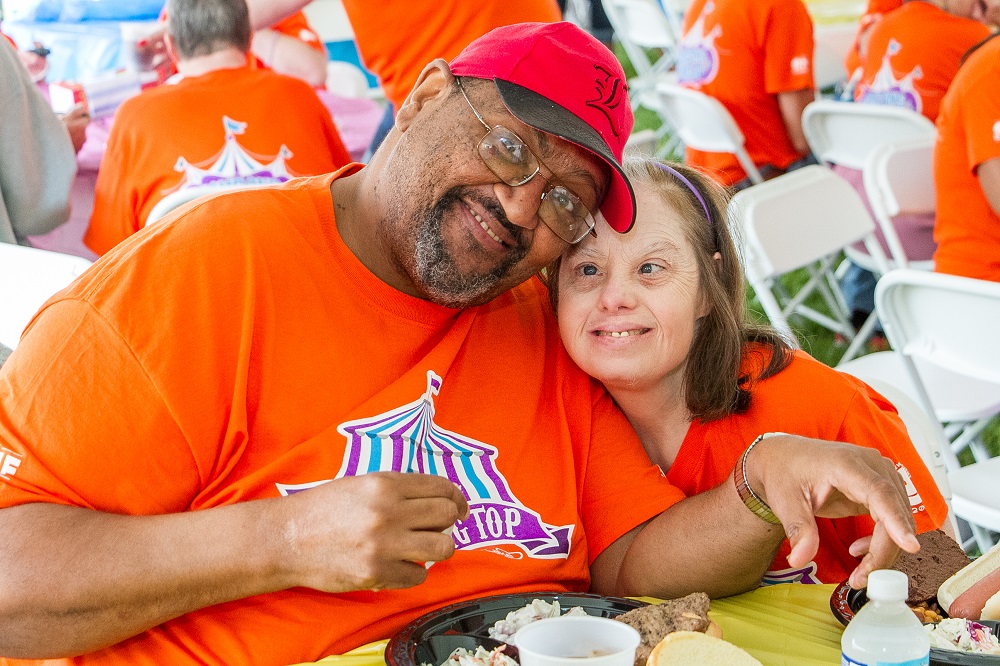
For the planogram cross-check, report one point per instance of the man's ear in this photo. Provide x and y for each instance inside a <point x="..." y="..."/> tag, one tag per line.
<point x="168" y="41"/>
<point x="434" y="82"/>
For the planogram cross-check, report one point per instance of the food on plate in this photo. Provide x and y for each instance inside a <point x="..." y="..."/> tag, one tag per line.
<point x="927" y="612"/>
<point x="688" y="613"/>
<point x="973" y="592"/>
<point x="504" y="630"/>
<point x="938" y="558"/>
<point x="692" y="648"/>
<point x="481" y="657"/>
<point x="964" y="636"/>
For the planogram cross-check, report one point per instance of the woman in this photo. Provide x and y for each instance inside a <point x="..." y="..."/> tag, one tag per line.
<point x="658" y="316"/>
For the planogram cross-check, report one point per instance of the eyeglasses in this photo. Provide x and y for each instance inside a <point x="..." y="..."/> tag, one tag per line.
<point x="511" y="160"/>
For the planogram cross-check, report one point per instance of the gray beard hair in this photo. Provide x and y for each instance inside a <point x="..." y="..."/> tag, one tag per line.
<point x="443" y="281"/>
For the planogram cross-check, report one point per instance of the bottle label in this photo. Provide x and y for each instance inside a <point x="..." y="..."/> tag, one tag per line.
<point x="921" y="661"/>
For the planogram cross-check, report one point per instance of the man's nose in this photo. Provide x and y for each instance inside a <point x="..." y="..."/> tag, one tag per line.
<point x="520" y="202"/>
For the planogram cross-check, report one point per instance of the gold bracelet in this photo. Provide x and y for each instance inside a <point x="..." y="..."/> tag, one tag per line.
<point x="758" y="506"/>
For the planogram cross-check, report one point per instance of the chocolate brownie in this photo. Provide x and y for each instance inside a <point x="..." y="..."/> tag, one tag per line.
<point x="937" y="560"/>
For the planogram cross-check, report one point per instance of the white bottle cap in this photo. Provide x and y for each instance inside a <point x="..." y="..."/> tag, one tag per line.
<point x="888" y="585"/>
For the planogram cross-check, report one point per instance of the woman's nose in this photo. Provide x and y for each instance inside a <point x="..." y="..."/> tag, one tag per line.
<point x="616" y="294"/>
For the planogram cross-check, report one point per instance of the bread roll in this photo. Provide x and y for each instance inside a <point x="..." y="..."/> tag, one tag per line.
<point x="967" y="593"/>
<point x="693" y="648"/>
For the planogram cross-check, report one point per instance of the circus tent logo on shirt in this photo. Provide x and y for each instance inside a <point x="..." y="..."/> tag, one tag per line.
<point x="887" y="90"/>
<point x="916" y="501"/>
<point x="697" y="57"/>
<point x="805" y="575"/>
<point x="406" y="439"/>
<point x="234" y="165"/>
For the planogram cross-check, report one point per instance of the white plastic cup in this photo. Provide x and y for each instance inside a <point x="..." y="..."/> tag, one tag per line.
<point x="577" y="640"/>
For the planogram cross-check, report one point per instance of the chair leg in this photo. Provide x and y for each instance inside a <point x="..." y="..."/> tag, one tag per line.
<point x="860" y="338"/>
<point x="984" y="539"/>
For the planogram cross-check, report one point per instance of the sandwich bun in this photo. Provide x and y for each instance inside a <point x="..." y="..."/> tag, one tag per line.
<point x="693" y="648"/>
<point x="973" y="592"/>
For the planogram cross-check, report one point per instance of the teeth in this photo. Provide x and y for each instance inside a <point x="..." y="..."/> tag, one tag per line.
<point x="485" y="226"/>
<point x="622" y="334"/>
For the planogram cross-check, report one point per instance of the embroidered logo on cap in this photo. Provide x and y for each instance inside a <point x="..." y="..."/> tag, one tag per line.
<point x="610" y="93"/>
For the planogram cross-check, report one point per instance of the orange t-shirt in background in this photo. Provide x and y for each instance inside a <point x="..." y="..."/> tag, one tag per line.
<point x="228" y="126"/>
<point x="913" y="54"/>
<point x="396" y="40"/>
<point x="241" y="351"/>
<point x="876" y="10"/>
<point x="297" y="26"/>
<point x="743" y="53"/>
<point x="967" y="229"/>
<point x="810" y="399"/>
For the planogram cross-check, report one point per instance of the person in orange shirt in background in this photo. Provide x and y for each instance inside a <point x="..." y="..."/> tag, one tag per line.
<point x="397" y="39"/>
<point x="756" y="57"/>
<point x="967" y="169"/>
<point x="873" y="14"/>
<point x="914" y="53"/>
<point x="230" y="124"/>
<point x="658" y="315"/>
<point x="292" y="47"/>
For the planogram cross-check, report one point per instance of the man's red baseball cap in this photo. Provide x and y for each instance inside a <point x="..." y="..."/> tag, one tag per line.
<point x="558" y="79"/>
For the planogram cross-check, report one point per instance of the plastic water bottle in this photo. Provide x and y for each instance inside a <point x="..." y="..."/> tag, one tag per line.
<point x="885" y="631"/>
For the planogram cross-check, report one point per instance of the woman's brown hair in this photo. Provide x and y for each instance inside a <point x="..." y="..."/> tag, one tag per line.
<point x="713" y="385"/>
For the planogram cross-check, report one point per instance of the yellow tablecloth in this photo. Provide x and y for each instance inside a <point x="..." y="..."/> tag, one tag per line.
<point x="780" y="624"/>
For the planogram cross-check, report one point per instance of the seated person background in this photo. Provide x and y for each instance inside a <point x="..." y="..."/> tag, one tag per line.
<point x="874" y="13"/>
<point x="658" y="316"/>
<point x="967" y="169"/>
<point x="223" y="123"/>
<point x="397" y="39"/>
<point x="756" y="57"/>
<point x="292" y="47"/>
<point x="205" y="476"/>
<point x="912" y="55"/>
<point x="38" y="157"/>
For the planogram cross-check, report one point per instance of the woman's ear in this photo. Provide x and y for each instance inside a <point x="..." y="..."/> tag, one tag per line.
<point x="435" y="82"/>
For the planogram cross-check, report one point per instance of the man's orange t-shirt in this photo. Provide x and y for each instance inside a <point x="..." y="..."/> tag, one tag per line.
<point x="810" y="399"/>
<point x="743" y="53"/>
<point x="967" y="229"/>
<point x="241" y="351"/>
<point x="396" y="40"/>
<point x="874" y="13"/>
<point x="913" y="54"/>
<point x="229" y="126"/>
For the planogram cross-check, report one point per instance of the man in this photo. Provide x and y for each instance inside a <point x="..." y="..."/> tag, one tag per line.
<point x="756" y="57"/>
<point x="259" y="371"/>
<point x="222" y="124"/>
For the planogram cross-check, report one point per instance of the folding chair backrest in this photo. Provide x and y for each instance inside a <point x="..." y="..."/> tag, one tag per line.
<point x="946" y="320"/>
<point x="640" y="23"/>
<point x="797" y="218"/>
<point x="28" y="277"/>
<point x="703" y="123"/>
<point x="899" y="178"/>
<point x="845" y="132"/>
<point x="832" y="42"/>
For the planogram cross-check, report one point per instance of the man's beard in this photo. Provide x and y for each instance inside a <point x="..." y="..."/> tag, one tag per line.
<point x="439" y="274"/>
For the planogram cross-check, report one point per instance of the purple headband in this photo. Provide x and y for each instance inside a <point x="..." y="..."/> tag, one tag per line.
<point x="694" y="190"/>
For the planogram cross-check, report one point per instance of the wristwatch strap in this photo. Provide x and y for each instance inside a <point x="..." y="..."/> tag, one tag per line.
<point x="758" y="506"/>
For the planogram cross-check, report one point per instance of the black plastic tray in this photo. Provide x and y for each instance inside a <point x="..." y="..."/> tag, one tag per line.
<point x="413" y="645"/>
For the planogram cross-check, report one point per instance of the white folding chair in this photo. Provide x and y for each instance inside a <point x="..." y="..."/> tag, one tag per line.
<point x="183" y="196"/>
<point x="703" y="123"/>
<point x="642" y="27"/>
<point x="803" y="219"/>
<point x="844" y="132"/>
<point x="28" y="277"/>
<point x="949" y="322"/>
<point x="832" y="42"/>
<point x="899" y="178"/>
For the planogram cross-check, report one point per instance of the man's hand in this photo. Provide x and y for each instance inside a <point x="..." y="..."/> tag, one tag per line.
<point x="371" y="532"/>
<point x="76" y="122"/>
<point x="803" y="478"/>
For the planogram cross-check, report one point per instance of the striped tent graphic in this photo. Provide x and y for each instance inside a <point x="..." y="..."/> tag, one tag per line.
<point x="407" y="440"/>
